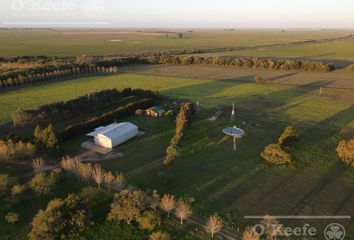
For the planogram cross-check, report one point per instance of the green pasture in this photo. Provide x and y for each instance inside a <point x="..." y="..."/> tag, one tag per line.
<point x="218" y="178"/>
<point x="98" y="42"/>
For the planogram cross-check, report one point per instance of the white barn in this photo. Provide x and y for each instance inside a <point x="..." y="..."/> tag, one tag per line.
<point x="114" y="134"/>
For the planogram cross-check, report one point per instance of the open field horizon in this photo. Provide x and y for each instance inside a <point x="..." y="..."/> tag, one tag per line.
<point x="103" y="42"/>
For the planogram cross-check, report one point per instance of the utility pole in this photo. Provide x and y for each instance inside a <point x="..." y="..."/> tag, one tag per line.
<point x="233" y="112"/>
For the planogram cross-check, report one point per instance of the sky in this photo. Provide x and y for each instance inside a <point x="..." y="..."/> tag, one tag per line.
<point x="179" y="14"/>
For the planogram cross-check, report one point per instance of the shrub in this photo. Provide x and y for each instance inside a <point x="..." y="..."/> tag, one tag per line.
<point x="259" y="79"/>
<point x="288" y="136"/>
<point x="273" y="153"/>
<point x="17" y="190"/>
<point x="43" y="184"/>
<point x="12" y="218"/>
<point x="345" y="152"/>
<point x="5" y="184"/>
<point x="46" y="137"/>
<point x="89" y="194"/>
<point x="160" y="236"/>
<point x="148" y="221"/>
<point x="61" y="219"/>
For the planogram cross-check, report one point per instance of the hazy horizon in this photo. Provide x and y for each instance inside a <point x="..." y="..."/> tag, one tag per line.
<point x="253" y="14"/>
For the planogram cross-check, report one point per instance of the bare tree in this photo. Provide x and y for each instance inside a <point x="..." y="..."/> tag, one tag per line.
<point x="98" y="175"/>
<point x="271" y="225"/>
<point x="213" y="225"/>
<point x="86" y="171"/>
<point x="155" y="200"/>
<point x="119" y="181"/>
<point x="183" y="210"/>
<point x="38" y="164"/>
<point x="168" y="203"/>
<point x="71" y="165"/>
<point x="249" y="234"/>
<point x="109" y="179"/>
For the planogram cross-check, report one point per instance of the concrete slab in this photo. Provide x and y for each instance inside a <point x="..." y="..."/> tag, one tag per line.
<point x="90" y="145"/>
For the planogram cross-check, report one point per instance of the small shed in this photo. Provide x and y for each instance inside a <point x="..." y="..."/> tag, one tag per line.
<point x="155" y="112"/>
<point x="114" y="134"/>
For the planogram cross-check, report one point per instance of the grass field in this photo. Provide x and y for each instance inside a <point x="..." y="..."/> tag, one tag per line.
<point x="339" y="53"/>
<point x="79" y="42"/>
<point x="219" y="179"/>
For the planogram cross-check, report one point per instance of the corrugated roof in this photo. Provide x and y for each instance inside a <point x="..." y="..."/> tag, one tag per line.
<point x="118" y="130"/>
<point x="102" y="129"/>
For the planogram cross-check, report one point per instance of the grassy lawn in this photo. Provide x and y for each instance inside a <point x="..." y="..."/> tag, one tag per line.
<point x="219" y="178"/>
<point x="73" y="43"/>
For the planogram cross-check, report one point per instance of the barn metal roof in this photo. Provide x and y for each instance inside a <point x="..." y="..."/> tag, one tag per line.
<point x="113" y="130"/>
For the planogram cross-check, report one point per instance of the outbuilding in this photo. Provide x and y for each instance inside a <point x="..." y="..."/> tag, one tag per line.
<point x="114" y="134"/>
<point x="155" y="112"/>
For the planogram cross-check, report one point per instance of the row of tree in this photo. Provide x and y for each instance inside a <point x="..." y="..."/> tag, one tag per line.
<point x="244" y="62"/>
<point x="123" y="111"/>
<point x="183" y="120"/>
<point x="48" y="73"/>
<point x="67" y="109"/>
<point x="16" y="150"/>
<point x="88" y="172"/>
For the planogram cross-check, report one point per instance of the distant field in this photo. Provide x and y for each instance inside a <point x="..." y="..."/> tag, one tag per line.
<point x="341" y="53"/>
<point x="73" y="43"/>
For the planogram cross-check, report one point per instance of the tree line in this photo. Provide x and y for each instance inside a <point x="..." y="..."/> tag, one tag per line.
<point x="244" y="62"/>
<point x="183" y="120"/>
<point x="67" y="109"/>
<point x="48" y="73"/>
<point x="106" y="118"/>
<point x="68" y="67"/>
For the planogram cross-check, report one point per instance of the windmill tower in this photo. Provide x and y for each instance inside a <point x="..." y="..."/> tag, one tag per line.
<point x="233" y="113"/>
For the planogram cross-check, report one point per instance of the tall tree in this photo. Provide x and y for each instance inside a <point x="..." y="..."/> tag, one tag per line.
<point x="168" y="203"/>
<point x="213" y="225"/>
<point x="127" y="205"/>
<point x="183" y="210"/>
<point x="98" y="174"/>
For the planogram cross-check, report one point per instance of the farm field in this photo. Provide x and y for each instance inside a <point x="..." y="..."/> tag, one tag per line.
<point x="167" y="77"/>
<point x="337" y="52"/>
<point x="98" y="42"/>
<point x="219" y="179"/>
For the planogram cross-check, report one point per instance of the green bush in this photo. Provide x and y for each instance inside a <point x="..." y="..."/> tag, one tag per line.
<point x="288" y="136"/>
<point x="274" y="154"/>
<point x="160" y="236"/>
<point x="259" y="80"/>
<point x="148" y="221"/>
<point x="12" y="218"/>
<point x="345" y="152"/>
